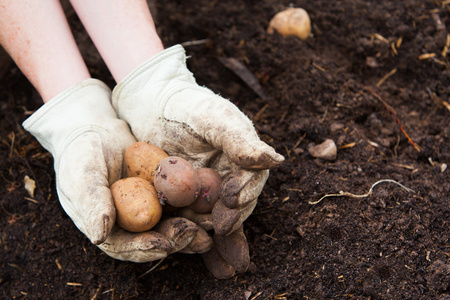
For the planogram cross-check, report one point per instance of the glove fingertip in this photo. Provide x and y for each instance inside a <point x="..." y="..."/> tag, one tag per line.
<point x="100" y="228"/>
<point x="179" y="231"/>
<point x="202" y="220"/>
<point x="217" y="265"/>
<point x="136" y="247"/>
<point x="201" y="243"/>
<point x="254" y="157"/>
<point x="234" y="249"/>
<point x="262" y="158"/>
<point x="230" y="188"/>
<point x="224" y="218"/>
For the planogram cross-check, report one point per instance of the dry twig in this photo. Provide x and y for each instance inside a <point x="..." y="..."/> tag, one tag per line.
<point x="154" y="267"/>
<point x="256" y="296"/>
<point x="426" y="56"/>
<point x="385" y="77"/>
<point x="446" y="104"/>
<point x="195" y="43"/>
<point x="74" y="284"/>
<point x="341" y="193"/>
<point x="390" y="109"/>
<point x="244" y="74"/>
<point x="447" y="45"/>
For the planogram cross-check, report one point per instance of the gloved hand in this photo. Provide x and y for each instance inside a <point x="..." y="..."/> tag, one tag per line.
<point x="81" y="130"/>
<point x="163" y="105"/>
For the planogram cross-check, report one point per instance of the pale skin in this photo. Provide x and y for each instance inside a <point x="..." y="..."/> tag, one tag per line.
<point x="38" y="38"/>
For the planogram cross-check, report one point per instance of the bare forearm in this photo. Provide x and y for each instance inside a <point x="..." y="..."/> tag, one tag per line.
<point x="39" y="40"/>
<point x="123" y="31"/>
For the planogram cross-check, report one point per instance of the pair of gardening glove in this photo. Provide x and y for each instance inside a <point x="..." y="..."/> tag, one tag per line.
<point x="87" y="129"/>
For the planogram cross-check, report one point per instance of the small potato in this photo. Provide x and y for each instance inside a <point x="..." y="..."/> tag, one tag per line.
<point x="142" y="158"/>
<point x="209" y="193"/>
<point x="137" y="205"/>
<point x="176" y="182"/>
<point x="292" y="21"/>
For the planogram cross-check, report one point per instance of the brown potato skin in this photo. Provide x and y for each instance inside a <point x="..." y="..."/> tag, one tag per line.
<point x="137" y="205"/>
<point x="141" y="159"/>
<point x="210" y="182"/>
<point x="176" y="182"/>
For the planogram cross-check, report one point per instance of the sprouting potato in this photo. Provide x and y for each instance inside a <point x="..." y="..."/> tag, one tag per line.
<point x="176" y="182"/>
<point x="142" y="158"/>
<point x="209" y="193"/>
<point x="137" y="205"/>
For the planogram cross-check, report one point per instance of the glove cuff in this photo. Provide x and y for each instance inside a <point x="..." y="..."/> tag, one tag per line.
<point x="75" y="108"/>
<point x="160" y="71"/>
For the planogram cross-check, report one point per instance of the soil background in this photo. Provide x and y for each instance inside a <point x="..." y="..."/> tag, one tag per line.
<point x="393" y="244"/>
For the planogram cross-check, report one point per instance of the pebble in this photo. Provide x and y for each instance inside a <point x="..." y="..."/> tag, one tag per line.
<point x="336" y="126"/>
<point x="327" y="150"/>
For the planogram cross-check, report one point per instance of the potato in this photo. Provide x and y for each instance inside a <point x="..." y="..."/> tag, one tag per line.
<point x="137" y="205"/>
<point x="142" y="158"/>
<point x="209" y="193"/>
<point x="176" y="182"/>
<point x="292" y="21"/>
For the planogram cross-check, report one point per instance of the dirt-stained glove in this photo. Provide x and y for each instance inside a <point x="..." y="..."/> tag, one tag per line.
<point x="230" y="255"/>
<point x="81" y="130"/>
<point x="164" y="105"/>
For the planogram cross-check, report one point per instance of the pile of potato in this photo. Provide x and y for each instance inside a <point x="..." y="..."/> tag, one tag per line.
<point x="157" y="182"/>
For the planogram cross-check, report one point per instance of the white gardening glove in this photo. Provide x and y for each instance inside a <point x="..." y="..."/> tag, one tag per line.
<point x="164" y="106"/>
<point x="81" y="130"/>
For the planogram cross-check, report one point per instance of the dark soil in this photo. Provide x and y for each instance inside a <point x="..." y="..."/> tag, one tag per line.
<point x="393" y="244"/>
